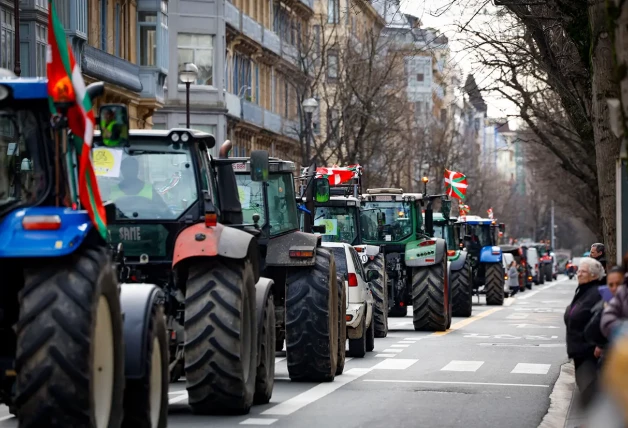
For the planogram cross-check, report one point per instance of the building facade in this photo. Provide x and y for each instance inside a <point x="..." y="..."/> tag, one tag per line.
<point x="246" y="52"/>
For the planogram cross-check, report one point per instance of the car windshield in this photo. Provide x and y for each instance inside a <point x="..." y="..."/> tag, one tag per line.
<point x="151" y="180"/>
<point x="340" y="223"/>
<point x="480" y="234"/>
<point x="444" y="231"/>
<point x="282" y="201"/>
<point x="386" y="221"/>
<point x="24" y="131"/>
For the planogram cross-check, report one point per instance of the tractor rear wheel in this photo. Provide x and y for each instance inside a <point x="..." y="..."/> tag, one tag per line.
<point x="430" y="299"/>
<point x="146" y="399"/>
<point x="380" y="295"/>
<point x="70" y="351"/>
<point x="220" y="336"/>
<point x="265" y="379"/>
<point x="462" y="291"/>
<point x="342" y="328"/>
<point x="311" y="320"/>
<point x="494" y="274"/>
<point x="548" y="273"/>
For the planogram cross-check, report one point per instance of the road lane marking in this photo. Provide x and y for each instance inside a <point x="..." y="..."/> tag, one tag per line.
<point x="280" y="359"/>
<point x="348" y="359"/>
<point x="526" y="345"/>
<point x="414" y="338"/>
<point x="509" y="301"/>
<point x="399" y="346"/>
<point x="517" y="316"/>
<point x="407" y="341"/>
<point x="534" y="293"/>
<point x="526" y="368"/>
<point x="258" y="421"/>
<point x="394" y="364"/>
<point x="462" y="366"/>
<point x="442" y="382"/>
<point x="6" y="418"/>
<point x="533" y="326"/>
<point x="468" y="321"/>
<point x="182" y="397"/>
<point x="385" y="355"/>
<point x="392" y="350"/>
<point x="316" y="393"/>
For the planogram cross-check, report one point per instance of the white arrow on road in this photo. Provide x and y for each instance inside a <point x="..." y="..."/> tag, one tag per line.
<point x="534" y="326"/>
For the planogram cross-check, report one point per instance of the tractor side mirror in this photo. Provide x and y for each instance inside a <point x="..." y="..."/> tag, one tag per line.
<point x="259" y="165"/>
<point x="113" y="120"/>
<point x="95" y="90"/>
<point x="502" y="227"/>
<point x="321" y="185"/>
<point x="445" y="208"/>
<point x="319" y="229"/>
<point x="372" y="275"/>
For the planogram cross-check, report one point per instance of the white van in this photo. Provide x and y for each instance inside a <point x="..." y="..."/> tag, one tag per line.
<point x="507" y="259"/>
<point x="532" y="257"/>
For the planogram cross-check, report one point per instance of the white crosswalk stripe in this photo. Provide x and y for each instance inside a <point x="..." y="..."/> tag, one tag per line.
<point x="527" y="368"/>
<point x="462" y="366"/>
<point x="394" y="364"/>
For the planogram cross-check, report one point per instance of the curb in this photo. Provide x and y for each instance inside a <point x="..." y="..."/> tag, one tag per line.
<point x="560" y="398"/>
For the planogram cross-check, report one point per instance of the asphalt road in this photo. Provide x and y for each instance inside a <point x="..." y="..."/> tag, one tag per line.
<point x="494" y="369"/>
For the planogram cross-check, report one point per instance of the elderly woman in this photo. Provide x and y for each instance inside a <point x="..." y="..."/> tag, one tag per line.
<point x="577" y="316"/>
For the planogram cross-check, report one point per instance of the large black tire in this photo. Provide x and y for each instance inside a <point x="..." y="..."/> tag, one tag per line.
<point x="429" y="305"/>
<point x="462" y="291"/>
<point x="380" y="295"/>
<point x="548" y="273"/>
<point x="220" y="336"/>
<point x="64" y="305"/>
<point x="342" y="328"/>
<point x="494" y="284"/>
<point x="265" y="379"/>
<point x="370" y="337"/>
<point x="311" y="320"/>
<point x="141" y="395"/>
<point x="357" y="347"/>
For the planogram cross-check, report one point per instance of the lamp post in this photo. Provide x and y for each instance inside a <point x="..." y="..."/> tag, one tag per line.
<point x="309" y="107"/>
<point x="188" y="74"/>
<point x="17" y="68"/>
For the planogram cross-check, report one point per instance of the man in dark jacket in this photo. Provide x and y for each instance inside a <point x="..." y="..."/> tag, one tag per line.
<point x="577" y="316"/>
<point x="598" y="253"/>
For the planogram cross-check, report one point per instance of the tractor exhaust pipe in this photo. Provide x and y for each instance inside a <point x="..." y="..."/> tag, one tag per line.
<point x="224" y="150"/>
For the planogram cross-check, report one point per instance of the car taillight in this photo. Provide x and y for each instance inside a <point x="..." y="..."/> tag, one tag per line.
<point x="353" y="280"/>
<point x="41" y="222"/>
<point x="451" y="253"/>
<point x="301" y="254"/>
<point x="427" y="243"/>
<point x="211" y="219"/>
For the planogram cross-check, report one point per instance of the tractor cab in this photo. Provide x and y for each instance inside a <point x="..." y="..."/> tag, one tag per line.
<point x="481" y="236"/>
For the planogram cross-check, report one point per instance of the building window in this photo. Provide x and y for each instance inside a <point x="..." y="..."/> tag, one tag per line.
<point x="103" y="25"/>
<point x="147" y="22"/>
<point x="199" y="49"/>
<point x="42" y="4"/>
<point x="333" y="11"/>
<point x="332" y="65"/>
<point x="41" y="43"/>
<point x="420" y="77"/>
<point x="7" y="41"/>
<point x="242" y="85"/>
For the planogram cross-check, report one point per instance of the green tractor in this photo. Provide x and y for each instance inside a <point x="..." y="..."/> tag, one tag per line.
<point x="461" y="286"/>
<point x="416" y="261"/>
<point x="341" y="217"/>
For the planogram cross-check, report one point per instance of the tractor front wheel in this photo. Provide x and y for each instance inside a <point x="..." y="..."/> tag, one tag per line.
<point x="494" y="284"/>
<point x="380" y="295"/>
<point x="462" y="291"/>
<point x="265" y="379"/>
<point x="430" y="301"/>
<point x="70" y="353"/>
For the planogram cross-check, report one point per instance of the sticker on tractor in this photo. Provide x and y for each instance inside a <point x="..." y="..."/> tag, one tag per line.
<point x="107" y="162"/>
<point x="364" y="258"/>
<point x="331" y="225"/>
<point x="388" y="238"/>
<point x="244" y="194"/>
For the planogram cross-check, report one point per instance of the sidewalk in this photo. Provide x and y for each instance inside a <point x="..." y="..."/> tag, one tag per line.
<point x="563" y="411"/>
<point x="575" y="416"/>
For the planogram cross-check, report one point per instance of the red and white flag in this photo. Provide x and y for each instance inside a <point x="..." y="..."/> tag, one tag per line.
<point x="490" y="213"/>
<point x="455" y="184"/>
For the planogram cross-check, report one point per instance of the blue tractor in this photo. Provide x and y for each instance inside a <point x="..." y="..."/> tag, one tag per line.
<point x="78" y="348"/>
<point x="481" y="240"/>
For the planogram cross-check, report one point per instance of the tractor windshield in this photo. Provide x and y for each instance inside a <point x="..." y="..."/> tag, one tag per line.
<point x="151" y="180"/>
<point x="282" y="206"/>
<point x="386" y="221"/>
<point x="340" y="223"/>
<point x="445" y="231"/>
<point x="24" y="132"/>
<point x="481" y="234"/>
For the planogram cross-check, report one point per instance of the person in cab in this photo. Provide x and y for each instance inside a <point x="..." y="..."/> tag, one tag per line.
<point x="111" y="130"/>
<point x="132" y="185"/>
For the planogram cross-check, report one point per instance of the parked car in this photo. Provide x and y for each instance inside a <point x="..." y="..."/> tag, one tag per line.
<point x="507" y="259"/>
<point x="359" y="307"/>
<point x="555" y="267"/>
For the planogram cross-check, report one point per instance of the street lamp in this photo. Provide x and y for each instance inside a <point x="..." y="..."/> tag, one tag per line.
<point x="188" y="73"/>
<point x="17" y="68"/>
<point x="309" y="107"/>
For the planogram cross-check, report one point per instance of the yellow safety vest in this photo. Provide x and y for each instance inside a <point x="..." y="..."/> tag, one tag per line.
<point x="146" y="192"/>
<point x="108" y="132"/>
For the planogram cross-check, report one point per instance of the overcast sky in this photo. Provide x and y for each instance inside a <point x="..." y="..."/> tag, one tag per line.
<point x="462" y="12"/>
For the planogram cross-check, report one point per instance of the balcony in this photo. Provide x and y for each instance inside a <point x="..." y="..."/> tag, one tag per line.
<point x="153" y="80"/>
<point x="234" y="107"/>
<point x="272" y="42"/>
<point x="101" y="65"/>
<point x="232" y="15"/>
<point x="73" y="16"/>
<point x="289" y="53"/>
<point x="251" y="28"/>
<point x="252" y="113"/>
<point x="272" y="122"/>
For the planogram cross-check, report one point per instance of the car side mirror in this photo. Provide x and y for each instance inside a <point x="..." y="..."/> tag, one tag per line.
<point x="319" y="229"/>
<point x="322" y="190"/>
<point x="259" y="165"/>
<point x="372" y="275"/>
<point x="502" y="227"/>
<point x="113" y="120"/>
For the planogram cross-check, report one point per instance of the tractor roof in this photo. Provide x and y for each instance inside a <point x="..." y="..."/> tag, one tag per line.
<point x="26" y="88"/>
<point x="474" y="219"/>
<point x="274" y="165"/>
<point x="345" y="198"/>
<point x="177" y="133"/>
<point x="384" y="191"/>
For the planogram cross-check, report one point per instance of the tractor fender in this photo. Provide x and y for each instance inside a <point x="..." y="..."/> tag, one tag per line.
<point x="278" y="252"/>
<point x="263" y="288"/>
<point x="137" y="301"/>
<point x="15" y="241"/>
<point x="458" y="263"/>
<point x="199" y="240"/>
<point x="491" y="254"/>
<point x="418" y="256"/>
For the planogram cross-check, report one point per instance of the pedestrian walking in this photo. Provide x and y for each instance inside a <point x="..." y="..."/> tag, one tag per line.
<point x="577" y="316"/>
<point x="513" y="276"/>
